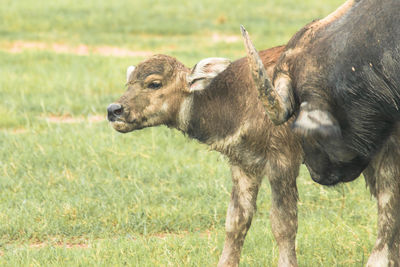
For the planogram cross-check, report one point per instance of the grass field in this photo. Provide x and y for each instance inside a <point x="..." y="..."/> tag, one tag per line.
<point x="73" y="192"/>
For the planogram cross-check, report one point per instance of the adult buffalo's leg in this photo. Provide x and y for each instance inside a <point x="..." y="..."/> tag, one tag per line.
<point x="383" y="178"/>
<point x="283" y="213"/>
<point x="239" y="215"/>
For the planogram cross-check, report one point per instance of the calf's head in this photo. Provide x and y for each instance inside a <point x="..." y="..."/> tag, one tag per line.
<point x="156" y="90"/>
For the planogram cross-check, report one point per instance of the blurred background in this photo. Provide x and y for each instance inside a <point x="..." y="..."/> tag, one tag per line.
<point x="73" y="192"/>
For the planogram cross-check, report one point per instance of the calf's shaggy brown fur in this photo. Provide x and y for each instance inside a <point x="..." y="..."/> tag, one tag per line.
<point x="217" y="104"/>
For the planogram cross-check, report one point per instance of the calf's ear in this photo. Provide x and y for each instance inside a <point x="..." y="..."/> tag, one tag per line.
<point x="205" y="71"/>
<point x="129" y="72"/>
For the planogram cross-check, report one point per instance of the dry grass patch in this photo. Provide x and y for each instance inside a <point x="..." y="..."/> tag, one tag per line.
<point x="219" y="38"/>
<point x="66" y="118"/>
<point x="61" y="48"/>
<point x="40" y="245"/>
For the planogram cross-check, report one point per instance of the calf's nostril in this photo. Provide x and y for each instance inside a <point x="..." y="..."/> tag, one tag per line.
<point x="114" y="110"/>
<point x="118" y="111"/>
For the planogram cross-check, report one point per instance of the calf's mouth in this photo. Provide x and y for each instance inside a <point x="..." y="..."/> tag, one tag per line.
<point x="117" y="116"/>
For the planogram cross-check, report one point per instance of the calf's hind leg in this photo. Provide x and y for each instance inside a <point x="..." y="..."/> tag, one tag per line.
<point x="383" y="178"/>
<point x="239" y="215"/>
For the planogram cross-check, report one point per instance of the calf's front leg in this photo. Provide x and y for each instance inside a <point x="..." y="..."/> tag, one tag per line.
<point x="283" y="215"/>
<point x="239" y="215"/>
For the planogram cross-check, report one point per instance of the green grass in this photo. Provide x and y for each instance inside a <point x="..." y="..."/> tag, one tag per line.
<point x="149" y="24"/>
<point x="127" y="199"/>
<point x="81" y="194"/>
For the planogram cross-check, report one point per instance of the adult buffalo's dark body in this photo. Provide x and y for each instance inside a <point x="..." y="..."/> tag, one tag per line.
<point x="342" y="76"/>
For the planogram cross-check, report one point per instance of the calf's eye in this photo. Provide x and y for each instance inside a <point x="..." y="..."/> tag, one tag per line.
<point x="154" y="85"/>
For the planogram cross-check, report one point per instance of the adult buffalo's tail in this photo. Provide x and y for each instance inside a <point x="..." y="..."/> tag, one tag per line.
<point x="278" y="101"/>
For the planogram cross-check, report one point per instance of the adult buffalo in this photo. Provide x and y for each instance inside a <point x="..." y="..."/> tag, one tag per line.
<point x="340" y="77"/>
